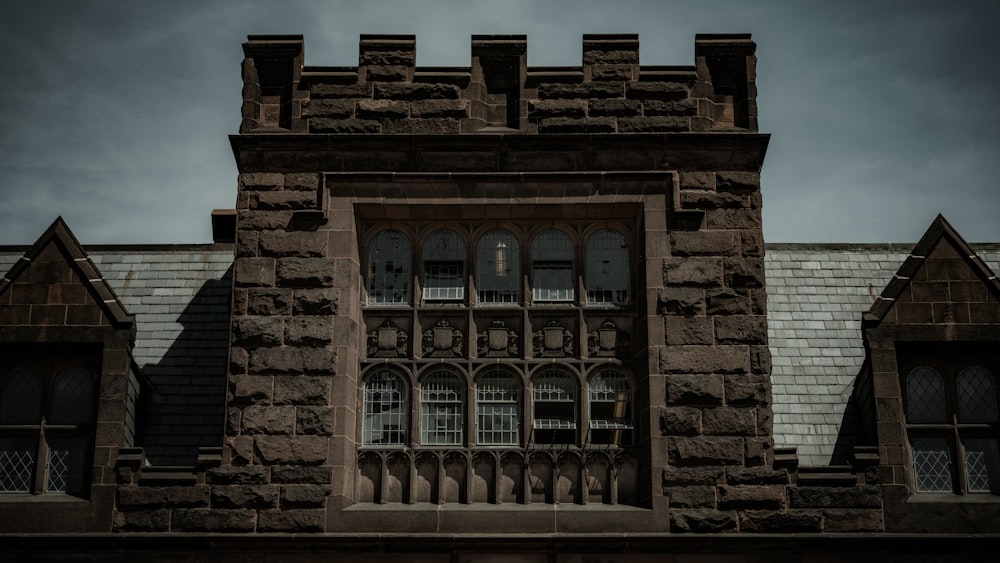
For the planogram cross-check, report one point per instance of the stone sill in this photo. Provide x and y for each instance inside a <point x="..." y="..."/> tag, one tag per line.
<point x="952" y="498"/>
<point x="28" y="498"/>
<point x="500" y="507"/>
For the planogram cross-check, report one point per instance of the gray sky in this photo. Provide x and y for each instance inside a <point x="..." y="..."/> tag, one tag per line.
<point x="115" y="115"/>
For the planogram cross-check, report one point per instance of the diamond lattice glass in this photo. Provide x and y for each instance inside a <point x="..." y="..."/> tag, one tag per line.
<point x="932" y="465"/>
<point x="982" y="466"/>
<point x="17" y="464"/>
<point x="925" y="396"/>
<point x="977" y="400"/>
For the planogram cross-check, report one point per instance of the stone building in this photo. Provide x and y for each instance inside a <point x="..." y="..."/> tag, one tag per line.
<point x="499" y="311"/>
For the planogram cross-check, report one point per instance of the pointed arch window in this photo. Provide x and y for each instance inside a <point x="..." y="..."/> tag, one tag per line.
<point x="444" y="266"/>
<point x="607" y="268"/>
<point x="552" y="267"/>
<point x="386" y="410"/>
<point x="442" y="409"/>
<point x="498" y="409"/>
<point x="498" y="273"/>
<point x="389" y="272"/>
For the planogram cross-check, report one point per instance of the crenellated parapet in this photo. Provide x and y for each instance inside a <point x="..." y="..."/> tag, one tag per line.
<point x="386" y="93"/>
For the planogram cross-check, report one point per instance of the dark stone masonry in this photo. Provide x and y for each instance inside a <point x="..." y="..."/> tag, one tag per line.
<point x="495" y="309"/>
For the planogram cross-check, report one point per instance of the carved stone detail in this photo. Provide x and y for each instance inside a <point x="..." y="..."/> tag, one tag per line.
<point x="553" y="341"/>
<point x="387" y="341"/>
<point x="498" y="341"/>
<point x="607" y="341"/>
<point x="442" y="341"/>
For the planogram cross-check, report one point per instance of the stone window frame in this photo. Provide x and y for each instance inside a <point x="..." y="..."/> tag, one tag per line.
<point x="580" y="234"/>
<point x="949" y="364"/>
<point x="581" y="428"/>
<point x="50" y="362"/>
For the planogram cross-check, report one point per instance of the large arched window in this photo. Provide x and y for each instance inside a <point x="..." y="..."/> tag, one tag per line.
<point x="607" y="268"/>
<point x="389" y="274"/>
<point x="441" y="409"/>
<point x="498" y="273"/>
<point x="386" y="410"/>
<point x="552" y="267"/>
<point x="611" y="417"/>
<point x="554" y="408"/>
<point x="444" y="266"/>
<point x="498" y="409"/>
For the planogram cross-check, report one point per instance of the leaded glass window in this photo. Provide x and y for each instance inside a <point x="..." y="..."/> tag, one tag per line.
<point x="498" y="410"/>
<point x="925" y="396"/>
<point x="554" y="408"/>
<point x="386" y="410"/>
<point x="611" y="419"/>
<point x="932" y="464"/>
<point x="498" y="272"/>
<point x="552" y="267"/>
<point x="976" y="396"/>
<point x="444" y="266"/>
<point x="389" y="273"/>
<point x="441" y="409"/>
<point x="607" y="268"/>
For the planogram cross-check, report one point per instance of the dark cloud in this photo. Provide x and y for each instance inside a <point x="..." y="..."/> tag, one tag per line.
<point x="115" y="114"/>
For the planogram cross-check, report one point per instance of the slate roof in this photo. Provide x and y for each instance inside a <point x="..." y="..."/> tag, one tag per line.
<point x="180" y="296"/>
<point x="816" y="297"/>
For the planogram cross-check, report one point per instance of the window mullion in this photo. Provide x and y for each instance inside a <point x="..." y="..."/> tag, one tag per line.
<point x="41" y="462"/>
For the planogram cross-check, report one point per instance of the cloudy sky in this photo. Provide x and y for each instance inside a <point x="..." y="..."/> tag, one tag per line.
<point x="115" y="115"/>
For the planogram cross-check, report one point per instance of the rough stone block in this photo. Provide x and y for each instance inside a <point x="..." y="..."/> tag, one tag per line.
<point x="701" y="521"/>
<point x="261" y="181"/>
<point x="790" y="522"/>
<point x="695" y="390"/>
<point x="301" y="474"/>
<point x="253" y="331"/>
<point x="349" y="126"/>
<point x="751" y="497"/>
<point x="292" y="360"/>
<point x="688" y="330"/>
<point x="251" y="220"/>
<point x="689" y="476"/>
<point x="727" y="301"/>
<point x="657" y="91"/>
<point x="383" y="109"/>
<point x="728" y="421"/>
<point x="260" y="419"/>
<point x="340" y="91"/>
<point x="686" y="108"/>
<point x="744" y="272"/>
<point x="747" y="390"/>
<point x="741" y="329"/>
<point x="288" y="200"/>
<point x="862" y="496"/>
<point x="760" y="360"/>
<point x="301" y="390"/>
<point x="703" y="243"/>
<point x="681" y="301"/>
<point x="702" y="359"/>
<point x="240" y="450"/>
<point x="233" y="475"/>
<point x="455" y="109"/>
<point x="418" y="91"/>
<point x="703" y="450"/>
<point x="297" y="450"/>
<point x="737" y="181"/>
<point x="710" y="199"/>
<point x="315" y="301"/>
<point x="245" y="496"/>
<point x="756" y="476"/>
<point x="555" y="90"/>
<point x="309" y="331"/>
<point x="157" y="520"/>
<point x="213" y="520"/>
<point x="305" y="272"/>
<point x="538" y="109"/>
<point x="269" y="301"/>
<point x="680" y="421"/>
<point x="846" y="520"/>
<point x="700" y="271"/>
<point x="615" y="108"/>
<point x="328" y="108"/>
<point x="302" y="244"/>
<point x="292" y="521"/>
<point x="304" y="496"/>
<point x="577" y="125"/>
<point x="730" y="218"/>
<point x="252" y="389"/>
<point x="696" y="180"/>
<point x="656" y="124"/>
<point x="315" y="420"/>
<point x="254" y="272"/>
<point x="692" y="497"/>
<point x="161" y="497"/>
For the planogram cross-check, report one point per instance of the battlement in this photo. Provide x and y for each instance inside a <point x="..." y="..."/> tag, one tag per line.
<point x="386" y="93"/>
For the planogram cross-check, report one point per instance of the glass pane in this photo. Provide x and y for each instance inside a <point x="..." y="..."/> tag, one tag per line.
<point x="65" y="464"/>
<point x="607" y="268"/>
<point x="552" y="267"/>
<point x="610" y="408"/>
<point x="72" y="398"/>
<point x="977" y="400"/>
<point x="498" y="411"/>
<point x="389" y="268"/>
<point x="498" y="268"/>
<point x="386" y="410"/>
<point x="444" y="266"/>
<point x="22" y="398"/>
<point x="17" y="464"/>
<point x="982" y="465"/>
<point x="925" y="396"/>
<point x="441" y="411"/>
<point x="932" y="465"/>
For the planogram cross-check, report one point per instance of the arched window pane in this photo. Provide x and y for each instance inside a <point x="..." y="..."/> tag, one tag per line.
<point x="22" y="398"/>
<point x="389" y="272"/>
<point x="444" y="267"/>
<point x="977" y="399"/>
<point x="607" y="268"/>
<point x="554" y="397"/>
<point x="610" y="409"/>
<point x="925" y="396"/>
<point x="441" y="413"/>
<point x="552" y="267"/>
<point x="498" y="275"/>
<point x="72" y="397"/>
<point x="498" y="412"/>
<point x="386" y="410"/>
